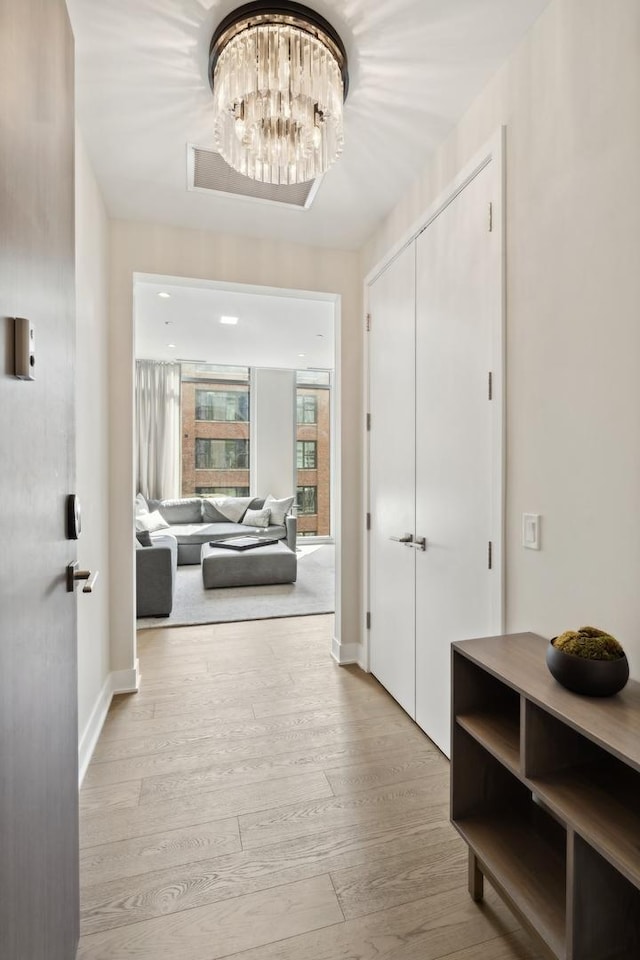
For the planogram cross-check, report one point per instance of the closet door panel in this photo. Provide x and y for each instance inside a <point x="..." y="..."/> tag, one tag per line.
<point x="392" y="471"/>
<point x="456" y="282"/>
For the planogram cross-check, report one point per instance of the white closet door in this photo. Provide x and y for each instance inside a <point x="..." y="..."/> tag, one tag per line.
<point x="458" y="294"/>
<point x="392" y="471"/>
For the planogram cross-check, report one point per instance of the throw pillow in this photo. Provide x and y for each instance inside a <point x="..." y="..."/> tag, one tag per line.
<point x="257" y="518"/>
<point x="279" y="509"/>
<point x="144" y="538"/>
<point x="141" y="506"/>
<point x="151" y="522"/>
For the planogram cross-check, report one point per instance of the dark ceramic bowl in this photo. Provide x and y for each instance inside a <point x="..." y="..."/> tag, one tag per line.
<point x="591" y="678"/>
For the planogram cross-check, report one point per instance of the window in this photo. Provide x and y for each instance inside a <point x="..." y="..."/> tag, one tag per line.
<point x="313" y="378"/>
<point x="222" y="491"/>
<point x="222" y="454"/>
<point x="214" y="373"/>
<point x="222" y="405"/>
<point x="307" y="500"/>
<point x="307" y="454"/>
<point x="307" y="408"/>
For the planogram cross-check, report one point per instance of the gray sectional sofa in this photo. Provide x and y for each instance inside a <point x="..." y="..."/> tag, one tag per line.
<point x="192" y="522"/>
<point x="156" y="576"/>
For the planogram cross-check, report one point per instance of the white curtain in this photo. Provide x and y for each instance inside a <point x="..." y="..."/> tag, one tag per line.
<point x="158" y="429"/>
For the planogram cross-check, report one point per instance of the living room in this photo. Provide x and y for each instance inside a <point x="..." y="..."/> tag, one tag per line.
<point x="212" y="437"/>
<point x="327" y="832"/>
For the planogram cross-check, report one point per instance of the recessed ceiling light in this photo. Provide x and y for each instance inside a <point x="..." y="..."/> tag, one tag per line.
<point x="164" y="295"/>
<point x="171" y="346"/>
<point x="302" y="354"/>
<point x="229" y="320"/>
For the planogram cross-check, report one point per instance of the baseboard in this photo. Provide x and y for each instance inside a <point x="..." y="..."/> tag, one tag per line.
<point x="93" y="728"/>
<point x="344" y="653"/>
<point x="118" y="681"/>
<point x="126" y="681"/>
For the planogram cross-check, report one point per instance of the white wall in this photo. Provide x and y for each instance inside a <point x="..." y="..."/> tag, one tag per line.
<point x="171" y="251"/>
<point x="92" y="440"/>
<point x="272" y="432"/>
<point x="570" y="97"/>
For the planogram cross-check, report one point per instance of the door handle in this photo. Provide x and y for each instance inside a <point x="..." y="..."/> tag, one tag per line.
<point x="407" y="538"/>
<point x="420" y="543"/>
<point x="74" y="575"/>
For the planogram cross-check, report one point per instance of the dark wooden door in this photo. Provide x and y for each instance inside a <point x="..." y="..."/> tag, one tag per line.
<point x="38" y="687"/>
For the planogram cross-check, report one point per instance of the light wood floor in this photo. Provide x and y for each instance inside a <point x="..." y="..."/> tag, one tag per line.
<point x="256" y="801"/>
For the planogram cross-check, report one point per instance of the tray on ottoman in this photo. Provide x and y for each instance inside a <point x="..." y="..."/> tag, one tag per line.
<point x="274" y="563"/>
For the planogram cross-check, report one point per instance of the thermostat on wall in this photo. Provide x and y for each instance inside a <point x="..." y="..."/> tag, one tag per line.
<point x="24" y="349"/>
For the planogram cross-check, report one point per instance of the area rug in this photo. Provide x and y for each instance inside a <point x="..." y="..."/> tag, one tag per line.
<point x="313" y="593"/>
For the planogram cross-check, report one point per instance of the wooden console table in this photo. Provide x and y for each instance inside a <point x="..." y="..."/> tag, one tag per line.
<point x="545" y="789"/>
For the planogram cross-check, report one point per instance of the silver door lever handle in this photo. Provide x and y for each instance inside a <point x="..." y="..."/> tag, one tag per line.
<point x="407" y="538"/>
<point x="90" y="580"/>
<point x="420" y="543"/>
<point x="74" y="575"/>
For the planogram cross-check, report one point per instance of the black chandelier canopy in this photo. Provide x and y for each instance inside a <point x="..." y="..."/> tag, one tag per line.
<point x="285" y="12"/>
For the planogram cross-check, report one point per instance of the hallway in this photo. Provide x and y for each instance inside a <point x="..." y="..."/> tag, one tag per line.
<point x="256" y="801"/>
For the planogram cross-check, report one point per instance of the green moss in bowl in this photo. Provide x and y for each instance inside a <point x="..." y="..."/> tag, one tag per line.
<point x="590" y="643"/>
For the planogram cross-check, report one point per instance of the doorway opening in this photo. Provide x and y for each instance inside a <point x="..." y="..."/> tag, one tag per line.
<point x="237" y="435"/>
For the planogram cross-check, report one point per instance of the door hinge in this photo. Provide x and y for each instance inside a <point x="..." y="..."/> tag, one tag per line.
<point x="490" y="556"/>
<point x="368" y="322"/>
<point x="490" y="385"/>
<point x="490" y="217"/>
<point x="368" y="421"/>
<point x="368" y="521"/>
<point x="368" y="620"/>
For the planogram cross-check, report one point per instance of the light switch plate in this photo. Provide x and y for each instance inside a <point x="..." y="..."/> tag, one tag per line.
<point x="531" y="531"/>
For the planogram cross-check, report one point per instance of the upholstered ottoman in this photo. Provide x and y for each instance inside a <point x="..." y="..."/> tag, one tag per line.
<point x="221" y="567"/>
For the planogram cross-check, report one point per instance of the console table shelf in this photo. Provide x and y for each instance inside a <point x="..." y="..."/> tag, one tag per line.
<point x="545" y="790"/>
<point x="586" y="797"/>
<point x="526" y="869"/>
<point x="498" y="732"/>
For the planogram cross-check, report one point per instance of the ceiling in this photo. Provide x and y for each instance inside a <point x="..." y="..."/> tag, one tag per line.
<point x="272" y="331"/>
<point x="143" y="95"/>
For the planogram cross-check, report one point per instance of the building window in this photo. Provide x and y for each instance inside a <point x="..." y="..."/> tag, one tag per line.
<point x="307" y="500"/>
<point x="222" y="405"/>
<point x="307" y="408"/>
<point x="222" y="454"/>
<point x="307" y="533"/>
<point x="222" y="491"/>
<point x="307" y="454"/>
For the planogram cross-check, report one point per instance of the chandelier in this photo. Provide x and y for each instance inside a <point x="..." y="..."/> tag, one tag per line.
<point x="279" y="77"/>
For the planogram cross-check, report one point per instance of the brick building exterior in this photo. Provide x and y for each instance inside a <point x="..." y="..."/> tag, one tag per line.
<point x="216" y="441"/>
<point x="313" y="460"/>
<point x="216" y="433"/>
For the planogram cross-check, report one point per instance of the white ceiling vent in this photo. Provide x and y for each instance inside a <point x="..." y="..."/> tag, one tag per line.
<point x="207" y="171"/>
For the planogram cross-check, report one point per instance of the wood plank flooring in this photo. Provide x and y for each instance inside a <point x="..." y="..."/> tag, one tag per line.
<point x="254" y="801"/>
